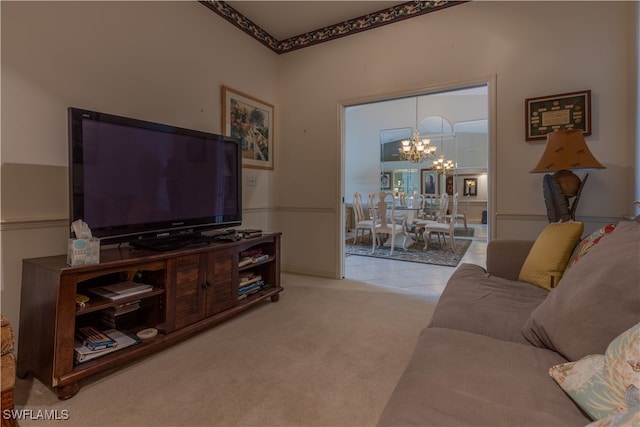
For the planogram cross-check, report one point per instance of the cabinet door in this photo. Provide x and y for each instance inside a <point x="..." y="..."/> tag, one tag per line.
<point x="189" y="301"/>
<point x="219" y="276"/>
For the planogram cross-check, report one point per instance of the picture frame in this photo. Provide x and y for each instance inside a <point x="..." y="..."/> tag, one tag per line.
<point x="557" y="112"/>
<point x="251" y="121"/>
<point x="470" y="186"/>
<point x="385" y="181"/>
<point x="429" y="182"/>
<point x="449" y="185"/>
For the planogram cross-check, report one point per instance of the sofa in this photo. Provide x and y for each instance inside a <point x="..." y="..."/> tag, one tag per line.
<point x="548" y="334"/>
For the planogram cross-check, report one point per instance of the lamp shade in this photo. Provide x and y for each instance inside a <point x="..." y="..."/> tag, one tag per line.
<point x="566" y="150"/>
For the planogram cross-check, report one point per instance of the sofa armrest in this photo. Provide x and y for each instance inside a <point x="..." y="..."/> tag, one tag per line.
<point x="506" y="257"/>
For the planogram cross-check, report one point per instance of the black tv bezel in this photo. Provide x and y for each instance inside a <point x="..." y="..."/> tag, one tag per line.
<point x="133" y="232"/>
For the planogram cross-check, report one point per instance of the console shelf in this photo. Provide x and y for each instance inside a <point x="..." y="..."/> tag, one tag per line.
<point x="193" y="289"/>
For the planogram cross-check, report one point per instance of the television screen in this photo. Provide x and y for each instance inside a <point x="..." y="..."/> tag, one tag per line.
<point x="132" y="178"/>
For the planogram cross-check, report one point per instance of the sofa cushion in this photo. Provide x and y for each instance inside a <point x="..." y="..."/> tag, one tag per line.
<point x="596" y="300"/>
<point x="464" y="379"/>
<point x="604" y="385"/>
<point x="550" y="252"/>
<point x="475" y="301"/>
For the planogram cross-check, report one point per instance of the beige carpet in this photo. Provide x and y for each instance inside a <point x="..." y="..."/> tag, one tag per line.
<point x="327" y="354"/>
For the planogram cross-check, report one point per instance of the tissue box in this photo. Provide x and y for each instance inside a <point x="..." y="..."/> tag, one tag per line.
<point x="83" y="251"/>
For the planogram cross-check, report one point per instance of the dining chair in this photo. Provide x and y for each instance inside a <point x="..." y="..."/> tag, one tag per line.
<point x="443" y="228"/>
<point x="362" y="220"/>
<point x="438" y="216"/>
<point x="461" y="215"/>
<point x="385" y="221"/>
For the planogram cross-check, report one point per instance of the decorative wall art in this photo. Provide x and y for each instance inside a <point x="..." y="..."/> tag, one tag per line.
<point x="251" y="121"/>
<point x="470" y="186"/>
<point x="385" y="181"/>
<point x="429" y="182"/>
<point x="558" y="112"/>
<point x="449" y="185"/>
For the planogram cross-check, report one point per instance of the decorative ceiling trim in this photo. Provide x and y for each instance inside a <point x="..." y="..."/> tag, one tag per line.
<point x="387" y="16"/>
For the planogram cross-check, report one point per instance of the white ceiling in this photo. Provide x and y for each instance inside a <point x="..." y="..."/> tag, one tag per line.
<point x="285" y="19"/>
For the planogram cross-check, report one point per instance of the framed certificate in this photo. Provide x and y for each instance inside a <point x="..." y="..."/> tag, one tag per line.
<point x="558" y="112"/>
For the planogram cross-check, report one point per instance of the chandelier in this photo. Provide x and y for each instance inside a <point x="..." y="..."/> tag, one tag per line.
<point x="417" y="150"/>
<point x="443" y="166"/>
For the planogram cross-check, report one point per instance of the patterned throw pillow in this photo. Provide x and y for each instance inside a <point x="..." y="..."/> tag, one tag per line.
<point x="626" y="418"/>
<point x="549" y="254"/>
<point x="587" y="243"/>
<point x="605" y="386"/>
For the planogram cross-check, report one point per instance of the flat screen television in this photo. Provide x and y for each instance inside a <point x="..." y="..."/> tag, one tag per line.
<point x="142" y="182"/>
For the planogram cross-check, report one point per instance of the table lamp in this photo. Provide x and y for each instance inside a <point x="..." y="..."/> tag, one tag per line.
<point x="566" y="151"/>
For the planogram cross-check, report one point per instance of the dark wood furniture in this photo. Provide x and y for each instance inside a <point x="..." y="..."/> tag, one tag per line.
<point x="194" y="289"/>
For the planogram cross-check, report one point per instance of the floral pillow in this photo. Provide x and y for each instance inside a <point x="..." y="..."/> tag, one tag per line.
<point x="587" y="243"/>
<point x="605" y="385"/>
<point x="625" y="418"/>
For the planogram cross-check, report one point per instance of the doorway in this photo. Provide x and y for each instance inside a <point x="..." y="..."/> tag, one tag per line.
<point x="458" y="121"/>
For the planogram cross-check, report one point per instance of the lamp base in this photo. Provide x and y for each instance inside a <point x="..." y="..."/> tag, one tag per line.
<point x="568" y="182"/>
<point x="557" y="199"/>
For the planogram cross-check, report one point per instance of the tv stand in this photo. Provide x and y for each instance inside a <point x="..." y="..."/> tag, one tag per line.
<point x="193" y="289"/>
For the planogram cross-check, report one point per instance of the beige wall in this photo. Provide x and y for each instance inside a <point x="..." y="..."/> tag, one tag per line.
<point x="159" y="61"/>
<point x="582" y="45"/>
<point x="165" y="61"/>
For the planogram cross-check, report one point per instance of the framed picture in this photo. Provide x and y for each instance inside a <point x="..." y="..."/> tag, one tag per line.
<point x="251" y="121"/>
<point x="385" y="181"/>
<point x="558" y="112"/>
<point x="470" y="186"/>
<point x="449" y="185"/>
<point x="428" y="182"/>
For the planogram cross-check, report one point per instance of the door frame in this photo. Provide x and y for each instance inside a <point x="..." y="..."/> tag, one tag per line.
<point x="490" y="82"/>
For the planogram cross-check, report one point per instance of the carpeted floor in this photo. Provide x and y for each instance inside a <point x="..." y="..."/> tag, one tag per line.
<point x="329" y="353"/>
<point x="435" y="254"/>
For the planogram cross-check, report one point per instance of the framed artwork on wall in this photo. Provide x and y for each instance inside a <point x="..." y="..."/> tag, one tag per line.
<point x="449" y="185"/>
<point x="429" y="182"/>
<point x="385" y="181"/>
<point x="558" y="112"/>
<point x="470" y="186"/>
<point x="251" y="121"/>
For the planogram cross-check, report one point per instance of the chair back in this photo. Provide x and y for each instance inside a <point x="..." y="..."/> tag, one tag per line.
<point x="444" y="204"/>
<point x="357" y="207"/>
<point x="384" y="206"/>
<point x="429" y="203"/>
<point x="454" y="212"/>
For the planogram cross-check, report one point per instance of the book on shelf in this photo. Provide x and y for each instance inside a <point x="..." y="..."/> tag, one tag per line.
<point x="121" y="290"/>
<point x="246" y="260"/>
<point x="93" y="339"/>
<point x="83" y="354"/>
<point x="124" y="307"/>
<point x="251" y="288"/>
<point x="247" y="279"/>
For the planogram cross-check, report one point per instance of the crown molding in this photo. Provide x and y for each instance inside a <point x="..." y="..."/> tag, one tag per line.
<point x="370" y="21"/>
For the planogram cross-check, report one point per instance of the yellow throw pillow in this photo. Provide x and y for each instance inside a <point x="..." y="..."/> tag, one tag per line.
<point x="550" y="253"/>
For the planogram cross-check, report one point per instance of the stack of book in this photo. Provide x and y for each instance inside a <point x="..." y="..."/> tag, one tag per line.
<point x="122" y="316"/>
<point x="249" y="284"/>
<point x="93" y="339"/>
<point x="84" y="352"/>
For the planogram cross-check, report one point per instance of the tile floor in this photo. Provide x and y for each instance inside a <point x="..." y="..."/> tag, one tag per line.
<point x="426" y="280"/>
